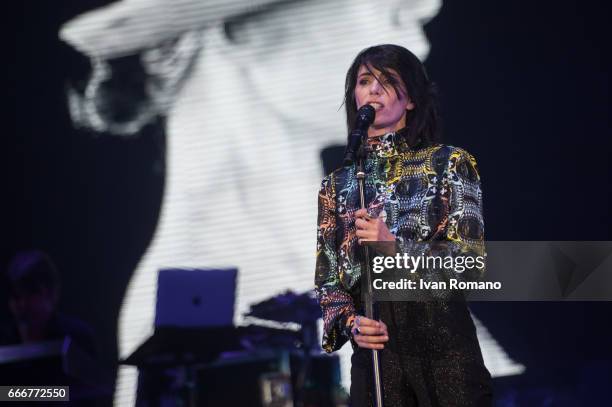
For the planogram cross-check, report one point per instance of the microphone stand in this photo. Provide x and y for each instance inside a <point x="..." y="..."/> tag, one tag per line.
<point x="369" y="302"/>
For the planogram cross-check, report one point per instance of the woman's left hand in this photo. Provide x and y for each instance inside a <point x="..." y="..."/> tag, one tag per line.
<point x="371" y="229"/>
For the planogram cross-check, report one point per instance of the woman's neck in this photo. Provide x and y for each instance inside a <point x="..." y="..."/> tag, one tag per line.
<point x="379" y="131"/>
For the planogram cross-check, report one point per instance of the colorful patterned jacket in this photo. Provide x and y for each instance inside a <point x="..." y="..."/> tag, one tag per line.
<point x="426" y="192"/>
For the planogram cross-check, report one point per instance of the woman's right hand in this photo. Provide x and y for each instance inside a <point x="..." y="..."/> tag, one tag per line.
<point x="369" y="334"/>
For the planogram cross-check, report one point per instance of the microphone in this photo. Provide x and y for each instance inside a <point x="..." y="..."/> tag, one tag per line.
<point x="365" y="117"/>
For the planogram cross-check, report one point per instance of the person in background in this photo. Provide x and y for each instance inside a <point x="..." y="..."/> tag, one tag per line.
<point x="34" y="289"/>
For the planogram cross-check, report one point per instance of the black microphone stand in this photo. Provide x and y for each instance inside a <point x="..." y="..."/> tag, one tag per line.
<point x="367" y="274"/>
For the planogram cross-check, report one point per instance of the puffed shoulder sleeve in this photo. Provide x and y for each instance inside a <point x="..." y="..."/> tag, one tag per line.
<point x="457" y="208"/>
<point x="336" y="303"/>
<point x="465" y="220"/>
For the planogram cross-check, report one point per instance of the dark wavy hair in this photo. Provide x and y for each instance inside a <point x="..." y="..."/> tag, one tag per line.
<point x="421" y="122"/>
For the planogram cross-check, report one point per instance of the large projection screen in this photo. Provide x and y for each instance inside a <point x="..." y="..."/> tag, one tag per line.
<point x="252" y="92"/>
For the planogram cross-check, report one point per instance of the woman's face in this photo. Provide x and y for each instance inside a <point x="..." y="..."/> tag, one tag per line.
<point x="375" y="89"/>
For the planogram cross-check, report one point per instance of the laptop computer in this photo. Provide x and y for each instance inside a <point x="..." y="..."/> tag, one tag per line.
<point x="195" y="298"/>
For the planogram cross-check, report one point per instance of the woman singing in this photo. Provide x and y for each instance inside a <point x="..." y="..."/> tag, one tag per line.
<point x="417" y="191"/>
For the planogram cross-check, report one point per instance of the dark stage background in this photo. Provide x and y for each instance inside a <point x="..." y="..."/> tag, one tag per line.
<point x="525" y="87"/>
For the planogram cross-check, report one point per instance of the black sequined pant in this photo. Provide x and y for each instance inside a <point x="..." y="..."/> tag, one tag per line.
<point x="423" y="364"/>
